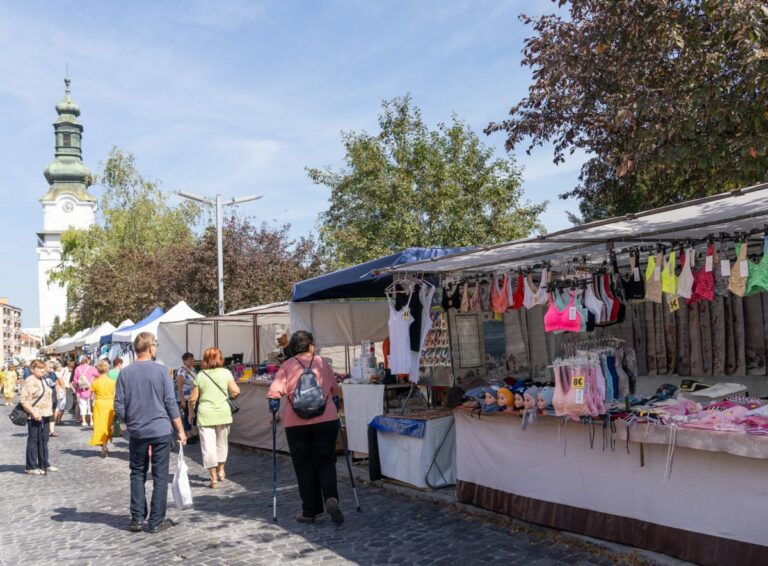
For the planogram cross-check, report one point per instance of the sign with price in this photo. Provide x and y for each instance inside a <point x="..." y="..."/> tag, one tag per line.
<point x="674" y="304"/>
<point x="577" y="382"/>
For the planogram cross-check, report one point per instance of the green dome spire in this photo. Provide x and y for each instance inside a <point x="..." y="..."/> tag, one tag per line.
<point x="67" y="173"/>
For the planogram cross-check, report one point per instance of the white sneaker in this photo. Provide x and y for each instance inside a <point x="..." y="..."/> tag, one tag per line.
<point x="51" y="469"/>
<point x="35" y="472"/>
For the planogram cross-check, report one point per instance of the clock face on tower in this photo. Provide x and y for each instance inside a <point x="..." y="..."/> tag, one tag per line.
<point x="68" y="206"/>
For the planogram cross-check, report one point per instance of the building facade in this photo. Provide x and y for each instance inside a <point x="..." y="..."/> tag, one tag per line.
<point x="67" y="204"/>
<point x="10" y="337"/>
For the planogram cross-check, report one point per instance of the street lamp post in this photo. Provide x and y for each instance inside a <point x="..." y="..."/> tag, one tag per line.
<point x="219" y="205"/>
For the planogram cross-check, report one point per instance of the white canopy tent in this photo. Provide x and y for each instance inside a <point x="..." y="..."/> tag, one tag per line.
<point x="69" y="345"/>
<point x="51" y="348"/>
<point x="342" y="323"/>
<point x="181" y="311"/>
<point x="738" y="210"/>
<point x="232" y="333"/>
<point x="93" y="337"/>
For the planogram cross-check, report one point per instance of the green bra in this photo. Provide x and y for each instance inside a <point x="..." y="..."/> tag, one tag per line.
<point x="758" y="273"/>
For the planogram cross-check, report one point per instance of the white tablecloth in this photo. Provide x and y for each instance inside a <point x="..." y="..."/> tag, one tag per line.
<point x="362" y="402"/>
<point x="407" y="459"/>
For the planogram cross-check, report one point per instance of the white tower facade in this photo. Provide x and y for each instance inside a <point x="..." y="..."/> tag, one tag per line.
<point x="67" y="204"/>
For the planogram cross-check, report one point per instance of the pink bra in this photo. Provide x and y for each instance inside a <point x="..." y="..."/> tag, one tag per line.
<point x="556" y="320"/>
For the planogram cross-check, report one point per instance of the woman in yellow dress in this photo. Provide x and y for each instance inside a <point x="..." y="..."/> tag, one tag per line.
<point x="8" y="381"/>
<point x="103" y="388"/>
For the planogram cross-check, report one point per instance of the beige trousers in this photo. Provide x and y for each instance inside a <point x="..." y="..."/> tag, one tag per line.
<point x="214" y="444"/>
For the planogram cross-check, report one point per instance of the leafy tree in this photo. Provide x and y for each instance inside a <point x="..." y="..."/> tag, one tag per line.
<point x="105" y="267"/>
<point x="668" y="98"/>
<point x="414" y="186"/>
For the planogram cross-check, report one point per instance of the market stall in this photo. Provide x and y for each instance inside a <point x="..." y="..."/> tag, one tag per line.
<point x="349" y="307"/>
<point x="613" y="374"/>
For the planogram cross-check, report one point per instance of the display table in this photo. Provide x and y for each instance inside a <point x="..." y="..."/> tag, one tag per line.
<point x="251" y="426"/>
<point x="710" y="511"/>
<point x="362" y="402"/>
<point x="407" y="454"/>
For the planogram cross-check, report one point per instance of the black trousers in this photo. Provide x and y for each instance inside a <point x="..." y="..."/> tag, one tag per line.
<point x="313" y="451"/>
<point x="138" y="450"/>
<point x="37" y="444"/>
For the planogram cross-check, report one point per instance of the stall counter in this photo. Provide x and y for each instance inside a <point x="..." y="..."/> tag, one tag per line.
<point x="708" y="511"/>
<point x="251" y="426"/>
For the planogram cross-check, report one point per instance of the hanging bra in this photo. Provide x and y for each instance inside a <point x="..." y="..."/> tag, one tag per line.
<point x="758" y="273"/>
<point x="555" y="319"/>
<point x="595" y="305"/>
<point x="685" y="281"/>
<point x="542" y="293"/>
<point x="529" y="297"/>
<point x="474" y="299"/>
<point x="737" y="284"/>
<point x="668" y="277"/>
<point x="517" y="295"/>
<point x="721" y="281"/>
<point x="499" y="301"/>
<point x="633" y="290"/>
<point x="465" y="298"/>
<point x="485" y="297"/>
<point x="587" y="318"/>
<point x="704" y="281"/>
<point x="653" y="287"/>
<point x="451" y="299"/>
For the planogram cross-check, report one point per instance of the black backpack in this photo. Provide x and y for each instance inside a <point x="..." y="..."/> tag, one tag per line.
<point x="307" y="399"/>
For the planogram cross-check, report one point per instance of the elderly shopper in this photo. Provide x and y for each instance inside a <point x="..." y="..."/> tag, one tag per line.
<point x="312" y="441"/>
<point x="208" y="400"/>
<point x="103" y="408"/>
<point x="37" y="401"/>
<point x="145" y="402"/>
<point x="82" y="378"/>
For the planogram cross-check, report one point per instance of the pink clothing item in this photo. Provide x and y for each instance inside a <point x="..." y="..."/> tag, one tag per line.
<point x="727" y="420"/>
<point x="563" y="319"/>
<point x="287" y="378"/>
<point x="91" y="373"/>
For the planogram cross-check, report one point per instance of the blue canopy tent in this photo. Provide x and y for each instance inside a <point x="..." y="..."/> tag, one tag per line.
<point x="359" y="281"/>
<point x="156" y="313"/>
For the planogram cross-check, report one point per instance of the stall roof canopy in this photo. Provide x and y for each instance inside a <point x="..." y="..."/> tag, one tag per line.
<point x="362" y="281"/>
<point x="154" y="315"/>
<point x="734" y="211"/>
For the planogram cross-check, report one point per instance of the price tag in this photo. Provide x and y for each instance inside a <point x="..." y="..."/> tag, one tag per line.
<point x="572" y="313"/>
<point x="743" y="268"/>
<point x="497" y="316"/>
<point x="406" y="313"/>
<point x="636" y="274"/>
<point x="577" y="382"/>
<point x="674" y="304"/>
<point x="579" y="397"/>
<point x="725" y="268"/>
<point x="657" y="273"/>
<point x="708" y="261"/>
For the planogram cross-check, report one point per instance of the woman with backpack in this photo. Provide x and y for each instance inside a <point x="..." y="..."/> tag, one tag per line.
<point x="84" y="375"/>
<point x="211" y="388"/>
<point x="311" y="425"/>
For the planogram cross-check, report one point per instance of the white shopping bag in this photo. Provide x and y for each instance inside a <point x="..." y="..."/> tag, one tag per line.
<point x="182" y="492"/>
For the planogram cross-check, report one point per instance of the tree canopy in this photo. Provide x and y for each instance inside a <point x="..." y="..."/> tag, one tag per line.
<point x="412" y="186"/>
<point x="668" y="98"/>
<point x="147" y="253"/>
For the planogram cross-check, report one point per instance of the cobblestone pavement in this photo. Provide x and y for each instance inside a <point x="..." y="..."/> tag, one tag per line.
<point x="79" y="516"/>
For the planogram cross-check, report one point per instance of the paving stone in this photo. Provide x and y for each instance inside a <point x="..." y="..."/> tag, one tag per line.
<point x="82" y="513"/>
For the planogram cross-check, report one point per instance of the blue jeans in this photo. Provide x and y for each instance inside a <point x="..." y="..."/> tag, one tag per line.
<point x="138" y="449"/>
<point x="37" y="444"/>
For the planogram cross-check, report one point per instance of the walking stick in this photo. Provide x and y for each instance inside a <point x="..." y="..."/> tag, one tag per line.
<point x="274" y="467"/>
<point x="349" y="468"/>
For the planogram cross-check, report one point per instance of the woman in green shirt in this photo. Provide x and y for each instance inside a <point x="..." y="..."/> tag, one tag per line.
<point x="208" y="400"/>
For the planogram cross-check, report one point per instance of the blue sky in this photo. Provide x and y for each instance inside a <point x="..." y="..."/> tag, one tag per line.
<point x="238" y="96"/>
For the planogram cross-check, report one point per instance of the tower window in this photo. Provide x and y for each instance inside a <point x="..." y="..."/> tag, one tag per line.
<point x="66" y="140"/>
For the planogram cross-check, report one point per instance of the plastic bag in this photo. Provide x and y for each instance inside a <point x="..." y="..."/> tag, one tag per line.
<point x="182" y="492"/>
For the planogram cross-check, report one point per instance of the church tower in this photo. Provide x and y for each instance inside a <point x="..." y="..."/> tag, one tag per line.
<point x="67" y="204"/>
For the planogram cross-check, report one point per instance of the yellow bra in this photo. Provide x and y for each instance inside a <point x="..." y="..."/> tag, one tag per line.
<point x="668" y="277"/>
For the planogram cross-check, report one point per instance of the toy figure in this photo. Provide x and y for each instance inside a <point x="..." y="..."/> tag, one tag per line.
<point x="489" y="404"/>
<point x="530" y="408"/>
<point x="519" y="401"/>
<point x="544" y="402"/>
<point x="506" y="400"/>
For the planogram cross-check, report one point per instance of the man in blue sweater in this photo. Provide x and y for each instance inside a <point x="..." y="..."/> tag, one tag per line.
<point x="146" y="403"/>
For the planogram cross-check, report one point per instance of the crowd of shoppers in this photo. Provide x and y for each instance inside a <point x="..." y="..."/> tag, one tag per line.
<point x="157" y="408"/>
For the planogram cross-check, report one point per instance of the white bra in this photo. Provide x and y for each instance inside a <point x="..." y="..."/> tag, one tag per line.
<point x="685" y="280"/>
<point x="595" y="305"/>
